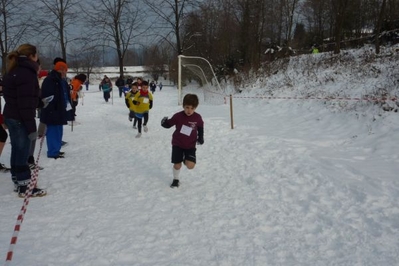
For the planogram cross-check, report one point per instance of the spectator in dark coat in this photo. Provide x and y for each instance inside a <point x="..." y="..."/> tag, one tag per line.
<point x="153" y="86"/>
<point x="129" y="81"/>
<point x="3" y="132"/>
<point x="120" y="83"/>
<point x="57" y="109"/>
<point x="21" y="94"/>
<point x="31" y="158"/>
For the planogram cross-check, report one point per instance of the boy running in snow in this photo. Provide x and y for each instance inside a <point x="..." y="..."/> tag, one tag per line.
<point x="189" y="131"/>
<point x="106" y="86"/>
<point x="143" y="103"/>
<point x="129" y="103"/>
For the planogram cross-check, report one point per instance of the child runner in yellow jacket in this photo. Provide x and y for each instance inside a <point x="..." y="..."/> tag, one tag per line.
<point x="129" y="103"/>
<point x="143" y="102"/>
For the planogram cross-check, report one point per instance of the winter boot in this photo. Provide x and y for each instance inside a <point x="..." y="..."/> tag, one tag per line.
<point x="175" y="183"/>
<point x="36" y="192"/>
<point x="4" y="168"/>
<point x="33" y="166"/>
<point x="14" y="180"/>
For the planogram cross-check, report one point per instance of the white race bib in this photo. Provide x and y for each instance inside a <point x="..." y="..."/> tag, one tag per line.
<point x="185" y="130"/>
<point x="146" y="100"/>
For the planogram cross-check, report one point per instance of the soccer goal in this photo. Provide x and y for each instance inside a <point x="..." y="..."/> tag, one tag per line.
<point x="196" y="73"/>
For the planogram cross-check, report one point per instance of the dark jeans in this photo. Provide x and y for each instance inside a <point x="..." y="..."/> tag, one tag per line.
<point x="133" y="117"/>
<point x="106" y="95"/>
<point x="20" y="145"/>
<point x="74" y="104"/>
<point x="140" y="120"/>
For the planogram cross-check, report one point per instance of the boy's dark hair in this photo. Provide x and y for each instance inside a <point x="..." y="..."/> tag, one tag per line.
<point x="191" y="99"/>
<point x="58" y="59"/>
<point x="144" y="83"/>
<point x="81" y="77"/>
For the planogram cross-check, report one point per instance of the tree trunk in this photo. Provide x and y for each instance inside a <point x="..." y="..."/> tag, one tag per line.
<point x="340" y="10"/>
<point x="378" y="28"/>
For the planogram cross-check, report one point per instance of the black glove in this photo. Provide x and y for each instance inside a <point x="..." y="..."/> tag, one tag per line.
<point x="164" y="122"/>
<point x="200" y="139"/>
<point x="150" y="104"/>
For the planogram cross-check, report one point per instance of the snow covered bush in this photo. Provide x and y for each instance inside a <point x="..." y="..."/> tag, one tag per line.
<point x="360" y="76"/>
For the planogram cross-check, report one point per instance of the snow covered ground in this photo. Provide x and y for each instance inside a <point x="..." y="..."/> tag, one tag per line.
<point x="292" y="184"/>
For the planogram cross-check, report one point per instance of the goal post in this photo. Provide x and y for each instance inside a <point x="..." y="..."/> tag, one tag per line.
<point x="199" y="69"/>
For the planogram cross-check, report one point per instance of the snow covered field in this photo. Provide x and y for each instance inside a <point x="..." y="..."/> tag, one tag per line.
<point x="292" y="184"/>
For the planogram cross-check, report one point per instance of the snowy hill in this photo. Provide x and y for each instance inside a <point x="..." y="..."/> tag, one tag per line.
<point x="353" y="74"/>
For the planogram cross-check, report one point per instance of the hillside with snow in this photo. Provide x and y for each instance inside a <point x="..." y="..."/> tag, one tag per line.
<point x="351" y="75"/>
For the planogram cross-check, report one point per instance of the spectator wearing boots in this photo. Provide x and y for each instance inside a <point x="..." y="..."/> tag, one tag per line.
<point x="21" y="94"/>
<point x="57" y="109"/>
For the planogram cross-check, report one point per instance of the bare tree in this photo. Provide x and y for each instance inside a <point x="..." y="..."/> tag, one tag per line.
<point x="131" y="58"/>
<point x="172" y="12"/>
<point x="339" y="8"/>
<point x="118" y="23"/>
<point x="14" y="27"/>
<point x="155" y="62"/>
<point x="317" y="20"/>
<point x="58" y="22"/>
<point x="290" y="6"/>
<point x="378" y="27"/>
<point x="300" y="37"/>
<point x="86" y="59"/>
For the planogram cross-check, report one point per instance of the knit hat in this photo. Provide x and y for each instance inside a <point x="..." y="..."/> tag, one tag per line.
<point x="58" y="59"/>
<point x="81" y="77"/>
<point x="60" y="66"/>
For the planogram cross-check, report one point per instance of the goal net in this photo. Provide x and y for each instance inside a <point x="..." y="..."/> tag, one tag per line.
<point x="196" y="75"/>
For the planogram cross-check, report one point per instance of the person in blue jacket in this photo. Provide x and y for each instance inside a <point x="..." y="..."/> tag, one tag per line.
<point x="57" y="109"/>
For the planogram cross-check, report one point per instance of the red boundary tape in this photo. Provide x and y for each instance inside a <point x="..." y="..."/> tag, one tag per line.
<point x="371" y="99"/>
<point x="20" y="218"/>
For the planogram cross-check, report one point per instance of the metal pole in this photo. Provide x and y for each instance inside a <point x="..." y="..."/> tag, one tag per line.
<point x="112" y="96"/>
<point x="179" y="79"/>
<point x="231" y="111"/>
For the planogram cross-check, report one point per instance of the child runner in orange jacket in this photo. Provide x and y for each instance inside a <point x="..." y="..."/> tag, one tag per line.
<point x="76" y="85"/>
